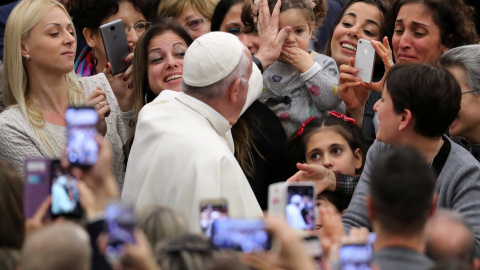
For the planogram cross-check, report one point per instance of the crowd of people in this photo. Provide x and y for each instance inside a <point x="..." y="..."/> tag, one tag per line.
<point x="223" y="98"/>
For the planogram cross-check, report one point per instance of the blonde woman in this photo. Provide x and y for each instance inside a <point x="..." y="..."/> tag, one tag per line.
<point x="39" y="84"/>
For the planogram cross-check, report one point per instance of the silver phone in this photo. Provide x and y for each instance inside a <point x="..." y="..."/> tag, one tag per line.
<point x="116" y="45"/>
<point x="364" y="60"/>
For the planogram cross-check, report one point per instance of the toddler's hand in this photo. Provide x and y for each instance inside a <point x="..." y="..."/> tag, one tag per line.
<point x="298" y="58"/>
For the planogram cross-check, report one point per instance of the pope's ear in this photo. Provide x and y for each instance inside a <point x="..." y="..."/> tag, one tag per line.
<point x="234" y="89"/>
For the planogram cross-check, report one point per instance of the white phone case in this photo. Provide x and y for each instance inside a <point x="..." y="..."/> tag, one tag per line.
<point x="364" y="60"/>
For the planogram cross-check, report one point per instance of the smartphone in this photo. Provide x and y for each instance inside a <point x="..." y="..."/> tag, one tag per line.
<point x="356" y="257"/>
<point x="119" y="225"/>
<point x="65" y="195"/>
<point x="300" y="207"/>
<point x="211" y="210"/>
<point x="37" y="184"/>
<point x="245" y="235"/>
<point x="82" y="149"/>
<point x="116" y="45"/>
<point x="364" y="60"/>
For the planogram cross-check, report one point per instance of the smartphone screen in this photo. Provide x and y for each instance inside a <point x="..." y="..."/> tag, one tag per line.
<point x="37" y="184"/>
<point x="245" y="235"/>
<point x="119" y="224"/>
<point x="300" y="207"/>
<point x="82" y="149"/>
<point x="65" y="195"/>
<point x="356" y="257"/>
<point x="211" y="211"/>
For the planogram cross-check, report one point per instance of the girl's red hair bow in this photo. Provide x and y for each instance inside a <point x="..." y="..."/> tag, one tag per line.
<point x="347" y="119"/>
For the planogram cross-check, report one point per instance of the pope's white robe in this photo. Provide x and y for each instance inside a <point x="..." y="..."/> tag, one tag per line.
<point x="183" y="154"/>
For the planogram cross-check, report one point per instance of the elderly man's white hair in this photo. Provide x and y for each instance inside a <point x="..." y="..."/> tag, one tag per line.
<point x="62" y="246"/>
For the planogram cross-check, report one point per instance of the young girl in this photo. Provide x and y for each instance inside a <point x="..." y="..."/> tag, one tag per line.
<point x="335" y="142"/>
<point x="301" y="84"/>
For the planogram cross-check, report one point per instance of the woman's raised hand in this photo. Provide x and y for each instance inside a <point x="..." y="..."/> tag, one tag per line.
<point x="98" y="100"/>
<point x="385" y="53"/>
<point x="122" y="84"/>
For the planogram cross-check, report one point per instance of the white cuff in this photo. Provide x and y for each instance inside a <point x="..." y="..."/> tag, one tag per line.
<point x="310" y="72"/>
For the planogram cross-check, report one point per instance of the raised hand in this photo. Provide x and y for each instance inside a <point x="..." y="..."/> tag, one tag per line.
<point x="271" y="39"/>
<point x="323" y="178"/>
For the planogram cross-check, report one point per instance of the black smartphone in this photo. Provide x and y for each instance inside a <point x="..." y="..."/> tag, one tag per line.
<point x="245" y="235"/>
<point x="82" y="149"/>
<point x="37" y="184"/>
<point x="116" y="45"/>
<point x="211" y="210"/>
<point x="356" y="257"/>
<point x="65" y="195"/>
<point x="119" y="225"/>
<point x="300" y="207"/>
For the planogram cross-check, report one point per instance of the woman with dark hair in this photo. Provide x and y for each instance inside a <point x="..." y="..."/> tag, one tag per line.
<point x="89" y="15"/>
<point x="419" y="102"/>
<point x="158" y="57"/>
<point x="365" y="19"/>
<point x="158" y="65"/>
<point x="422" y="31"/>
<point x="258" y="134"/>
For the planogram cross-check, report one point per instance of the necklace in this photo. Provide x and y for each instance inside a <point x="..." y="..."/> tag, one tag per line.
<point x="54" y="113"/>
<point x="435" y="152"/>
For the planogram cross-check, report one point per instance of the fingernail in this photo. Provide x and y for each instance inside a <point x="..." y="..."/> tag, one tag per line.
<point x="106" y="66"/>
<point x="127" y="59"/>
<point x="124" y="79"/>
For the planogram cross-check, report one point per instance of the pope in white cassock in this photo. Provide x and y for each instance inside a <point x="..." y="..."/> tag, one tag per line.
<point x="183" y="149"/>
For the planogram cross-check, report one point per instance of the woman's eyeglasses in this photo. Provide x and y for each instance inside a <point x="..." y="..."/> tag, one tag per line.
<point x="466" y="92"/>
<point x="139" y="27"/>
<point x="194" y="24"/>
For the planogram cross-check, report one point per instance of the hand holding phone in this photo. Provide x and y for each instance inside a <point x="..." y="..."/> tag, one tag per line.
<point x="356" y="257"/>
<point x="116" y="45"/>
<point x="364" y="60"/>
<point x="82" y="149"/>
<point x="245" y="235"/>
<point x="119" y="224"/>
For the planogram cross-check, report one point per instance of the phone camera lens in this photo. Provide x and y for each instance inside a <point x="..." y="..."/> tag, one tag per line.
<point x="112" y="28"/>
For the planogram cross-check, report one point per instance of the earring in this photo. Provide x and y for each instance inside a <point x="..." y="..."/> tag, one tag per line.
<point x="27" y="57"/>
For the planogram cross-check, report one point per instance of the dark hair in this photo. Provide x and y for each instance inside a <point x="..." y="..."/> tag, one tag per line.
<point x="401" y="190"/>
<point x="91" y="13"/>
<point x="12" y="231"/>
<point x="339" y="200"/>
<point x="453" y="17"/>
<point x="431" y="94"/>
<point x="221" y="11"/>
<point x="295" y="147"/>
<point x="140" y="61"/>
<point x="383" y="6"/>
<point x="143" y="93"/>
